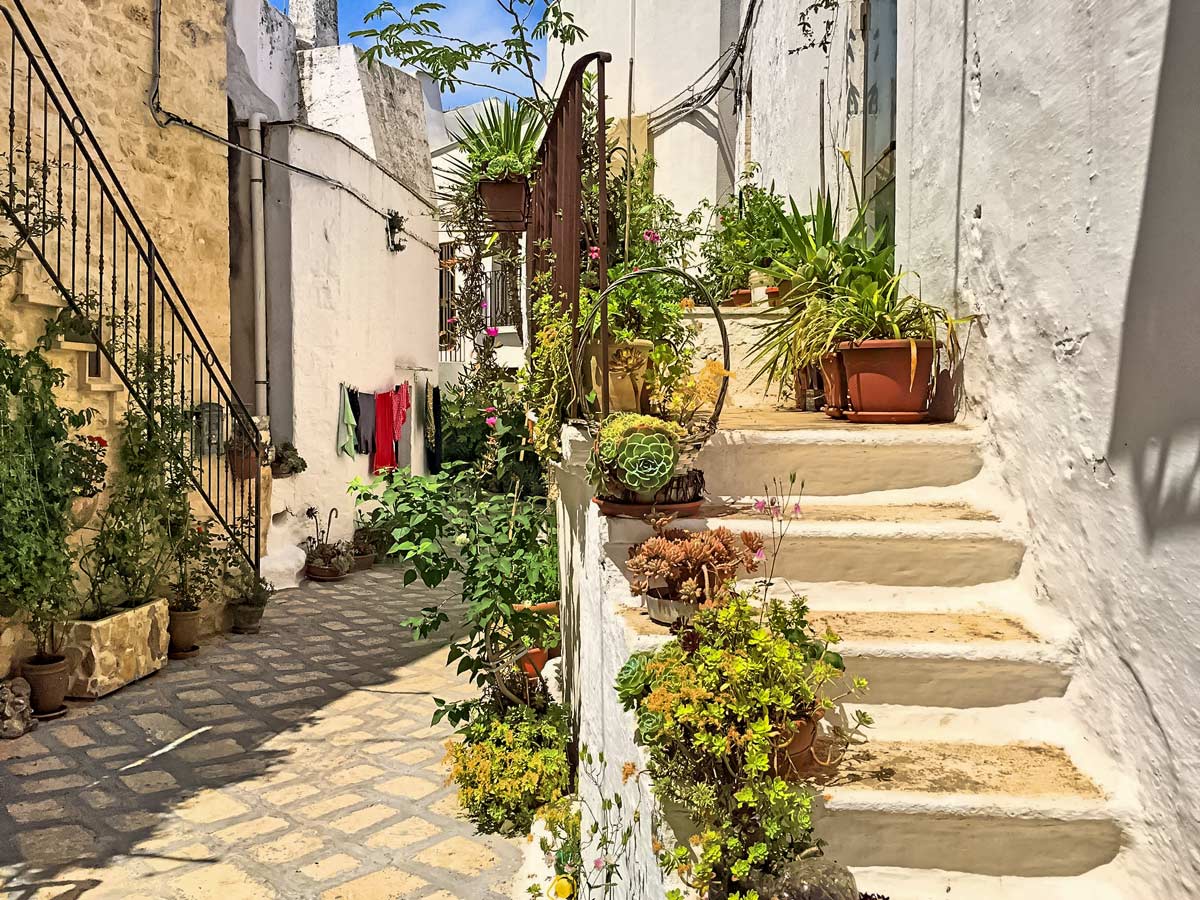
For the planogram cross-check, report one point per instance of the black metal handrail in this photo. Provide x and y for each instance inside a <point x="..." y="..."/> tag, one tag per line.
<point x="72" y="212"/>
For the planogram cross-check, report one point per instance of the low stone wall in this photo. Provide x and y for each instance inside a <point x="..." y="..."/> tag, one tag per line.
<point x="742" y="324"/>
<point x="117" y="650"/>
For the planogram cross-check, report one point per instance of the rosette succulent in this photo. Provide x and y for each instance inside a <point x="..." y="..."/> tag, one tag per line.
<point x="635" y="452"/>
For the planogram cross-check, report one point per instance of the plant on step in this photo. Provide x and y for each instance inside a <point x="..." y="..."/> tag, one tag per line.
<point x="745" y="235"/>
<point x="692" y="566"/>
<point x="320" y="551"/>
<point x="716" y="710"/>
<point x="634" y="453"/>
<point x="510" y="762"/>
<point x="38" y="480"/>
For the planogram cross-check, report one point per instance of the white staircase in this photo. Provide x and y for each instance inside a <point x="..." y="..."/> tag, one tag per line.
<point x="978" y="781"/>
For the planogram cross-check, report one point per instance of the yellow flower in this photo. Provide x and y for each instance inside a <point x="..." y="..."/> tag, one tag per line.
<point x="562" y="886"/>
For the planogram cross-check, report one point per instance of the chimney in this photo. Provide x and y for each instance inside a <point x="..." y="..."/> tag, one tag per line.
<point x="316" y="22"/>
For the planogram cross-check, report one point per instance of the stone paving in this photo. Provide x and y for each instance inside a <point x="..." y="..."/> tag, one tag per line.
<point x="292" y="764"/>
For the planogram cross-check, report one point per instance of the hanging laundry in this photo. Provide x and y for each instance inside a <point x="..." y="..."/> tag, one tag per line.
<point x="385" y="430"/>
<point x="401" y="401"/>
<point x="366" y="423"/>
<point x="347" y="423"/>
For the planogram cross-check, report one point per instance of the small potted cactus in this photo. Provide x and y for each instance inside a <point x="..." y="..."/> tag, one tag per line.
<point x="635" y="468"/>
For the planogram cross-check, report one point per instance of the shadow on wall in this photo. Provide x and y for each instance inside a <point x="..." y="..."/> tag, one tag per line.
<point x="1156" y="419"/>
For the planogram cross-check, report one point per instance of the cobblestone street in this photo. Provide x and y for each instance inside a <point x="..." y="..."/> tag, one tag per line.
<point x="292" y="764"/>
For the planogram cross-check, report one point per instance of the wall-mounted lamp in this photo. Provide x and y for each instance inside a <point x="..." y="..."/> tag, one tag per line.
<point x="395" y="231"/>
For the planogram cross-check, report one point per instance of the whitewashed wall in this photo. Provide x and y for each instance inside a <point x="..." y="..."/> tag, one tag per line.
<point x="360" y="314"/>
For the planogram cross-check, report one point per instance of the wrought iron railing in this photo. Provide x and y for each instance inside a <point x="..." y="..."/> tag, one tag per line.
<point x="66" y="205"/>
<point x="501" y="310"/>
<point x="557" y="236"/>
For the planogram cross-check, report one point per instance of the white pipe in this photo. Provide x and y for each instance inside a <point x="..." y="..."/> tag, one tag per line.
<point x="258" y="232"/>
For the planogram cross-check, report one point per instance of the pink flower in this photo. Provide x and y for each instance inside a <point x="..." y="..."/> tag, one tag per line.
<point x="599" y="862"/>
<point x="490" y="409"/>
<point x="760" y="505"/>
<point x="760" y="554"/>
<point x="491" y="421"/>
<point x="483" y="304"/>
<point x="651" y="236"/>
<point x="796" y="510"/>
<point x="492" y="332"/>
<point x="452" y="320"/>
<point x="594" y="252"/>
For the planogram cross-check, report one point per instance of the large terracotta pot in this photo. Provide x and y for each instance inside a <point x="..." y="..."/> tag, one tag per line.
<point x="47" y="684"/>
<point x="883" y="384"/>
<point x="243" y="464"/>
<point x="793" y="756"/>
<point x="627" y="364"/>
<point x="506" y="202"/>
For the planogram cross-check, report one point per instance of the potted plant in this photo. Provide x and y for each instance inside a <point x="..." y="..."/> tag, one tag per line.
<point x="198" y="566"/>
<point x="760" y="676"/>
<point x="635" y="468"/>
<point x="47" y="670"/>
<point x="362" y="548"/>
<point x="542" y="639"/>
<point x="85" y="459"/>
<point x="677" y="570"/>
<point x="325" y="560"/>
<point x="501" y="149"/>
<point x="288" y="461"/>
<point x="253" y="595"/>
<point x="243" y="455"/>
<point x="744" y="240"/>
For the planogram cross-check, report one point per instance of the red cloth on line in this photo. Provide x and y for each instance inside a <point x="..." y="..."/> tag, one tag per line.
<point x="401" y="401"/>
<point x="385" y="433"/>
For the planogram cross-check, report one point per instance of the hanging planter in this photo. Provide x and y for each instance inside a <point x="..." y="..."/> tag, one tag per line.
<point x="242" y="456"/>
<point x="506" y="201"/>
<point x="642" y="464"/>
<point x="888" y="381"/>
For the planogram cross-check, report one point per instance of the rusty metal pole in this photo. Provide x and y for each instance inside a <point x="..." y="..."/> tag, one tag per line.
<point x="602" y="183"/>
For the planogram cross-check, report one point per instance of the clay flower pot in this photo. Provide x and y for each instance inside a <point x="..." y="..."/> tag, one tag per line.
<point x="362" y="562"/>
<point x="247" y="619"/>
<point x="507" y="203"/>
<point x="323" y="573"/>
<point x="243" y="464"/>
<point x="184" y="630"/>
<point x="533" y="660"/>
<point x="883" y="384"/>
<point x="793" y="757"/>
<point x="833" y="373"/>
<point x="47" y="684"/>
<point x="739" y="298"/>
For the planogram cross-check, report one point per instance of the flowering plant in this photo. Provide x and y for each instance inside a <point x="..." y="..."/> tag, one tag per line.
<point x="84" y="462"/>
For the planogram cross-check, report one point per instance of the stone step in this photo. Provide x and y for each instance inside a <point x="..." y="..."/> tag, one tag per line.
<point x="933" y="544"/>
<point x="834" y="458"/>
<point x="944" y="659"/>
<point x="1014" y="809"/>
<point x="916" y="884"/>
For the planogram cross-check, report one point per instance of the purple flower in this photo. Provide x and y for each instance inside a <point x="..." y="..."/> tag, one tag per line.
<point x="760" y="554"/>
<point x="760" y="505"/>
<point x="483" y="304"/>
<point x="491" y="421"/>
<point x="492" y="332"/>
<point x="651" y="236"/>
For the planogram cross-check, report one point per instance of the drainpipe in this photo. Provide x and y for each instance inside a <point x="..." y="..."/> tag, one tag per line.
<point x="258" y="233"/>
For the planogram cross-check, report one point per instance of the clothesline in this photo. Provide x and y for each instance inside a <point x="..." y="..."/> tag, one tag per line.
<point x="373" y="423"/>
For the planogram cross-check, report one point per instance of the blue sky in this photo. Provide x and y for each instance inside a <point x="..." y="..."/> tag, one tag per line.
<point x="475" y="20"/>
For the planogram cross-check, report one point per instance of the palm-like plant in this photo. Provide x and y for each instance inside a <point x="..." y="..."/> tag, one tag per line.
<point x="501" y="143"/>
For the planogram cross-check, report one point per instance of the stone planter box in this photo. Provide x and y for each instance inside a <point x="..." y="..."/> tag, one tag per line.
<point x="110" y="653"/>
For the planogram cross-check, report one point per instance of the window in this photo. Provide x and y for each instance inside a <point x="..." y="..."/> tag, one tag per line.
<point x="879" y="119"/>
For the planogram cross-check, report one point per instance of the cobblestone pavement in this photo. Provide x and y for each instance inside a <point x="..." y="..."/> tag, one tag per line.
<point x="293" y="764"/>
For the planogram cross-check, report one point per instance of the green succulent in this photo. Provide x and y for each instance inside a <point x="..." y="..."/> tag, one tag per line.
<point x="646" y="461"/>
<point x="633" y="681"/>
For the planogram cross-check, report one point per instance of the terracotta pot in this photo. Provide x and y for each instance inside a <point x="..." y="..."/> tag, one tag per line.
<point x="739" y="298"/>
<point x="243" y="465"/>
<point x="83" y="510"/>
<point x="883" y="384"/>
<point x="323" y="573"/>
<point x="47" y="684"/>
<point x="627" y="364"/>
<point x="507" y="203"/>
<point x="833" y="373"/>
<point x="793" y="757"/>
<point x="618" y="510"/>
<point x="550" y="608"/>
<point x="533" y="660"/>
<point x="248" y="619"/>
<point x="363" y="562"/>
<point x="184" y="630"/>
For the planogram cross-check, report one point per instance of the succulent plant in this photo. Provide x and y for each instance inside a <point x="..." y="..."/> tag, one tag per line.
<point x="639" y="453"/>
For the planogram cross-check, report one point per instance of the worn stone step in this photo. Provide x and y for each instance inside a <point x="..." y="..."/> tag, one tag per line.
<point x="834" y="458"/>
<point x="1018" y="809"/>
<point x="934" y="544"/>
<point x="925" y="884"/>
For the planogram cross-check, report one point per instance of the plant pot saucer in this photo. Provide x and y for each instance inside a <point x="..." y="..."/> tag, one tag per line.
<point x="617" y="510"/>
<point x="316" y="577"/>
<point x="256" y="629"/>
<point x="886" y="418"/>
<point x="184" y="654"/>
<point x="55" y="714"/>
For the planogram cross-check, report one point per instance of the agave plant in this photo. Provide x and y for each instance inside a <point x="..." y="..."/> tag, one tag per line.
<point x="501" y="143"/>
